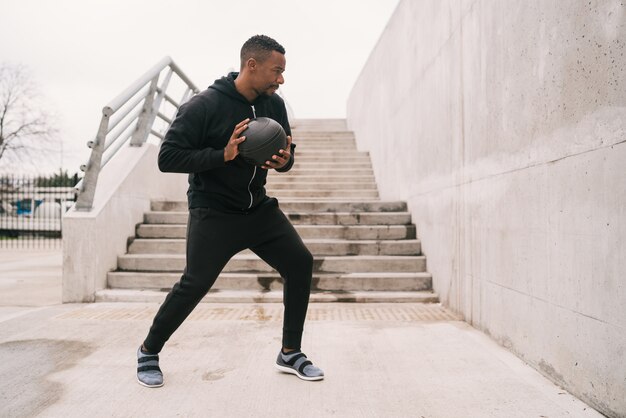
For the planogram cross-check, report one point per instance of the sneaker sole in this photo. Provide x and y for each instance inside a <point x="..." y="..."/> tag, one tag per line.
<point x="149" y="386"/>
<point x="301" y="376"/>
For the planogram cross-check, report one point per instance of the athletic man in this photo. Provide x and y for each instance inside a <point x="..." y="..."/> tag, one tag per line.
<point x="228" y="208"/>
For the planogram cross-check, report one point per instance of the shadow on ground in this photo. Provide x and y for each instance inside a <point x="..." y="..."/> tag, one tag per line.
<point x="25" y="387"/>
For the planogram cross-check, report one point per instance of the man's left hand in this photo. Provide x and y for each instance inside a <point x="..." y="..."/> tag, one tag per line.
<point x="280" y="160"/>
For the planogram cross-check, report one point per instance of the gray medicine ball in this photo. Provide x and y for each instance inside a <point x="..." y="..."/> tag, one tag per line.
<point x="264" y="138"/>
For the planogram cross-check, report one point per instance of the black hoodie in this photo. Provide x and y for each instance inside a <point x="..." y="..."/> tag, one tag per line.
<point x="195" y="144"/>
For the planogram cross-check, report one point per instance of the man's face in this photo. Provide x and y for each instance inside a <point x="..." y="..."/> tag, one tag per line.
<point x="269" y="74"/>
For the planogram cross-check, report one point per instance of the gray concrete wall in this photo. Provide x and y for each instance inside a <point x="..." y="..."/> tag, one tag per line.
<point x="503" y="124"/>
<point x="93" y="240"/>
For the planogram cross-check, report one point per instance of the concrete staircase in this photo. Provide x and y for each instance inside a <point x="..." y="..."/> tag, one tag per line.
<point x="365" y="250"/>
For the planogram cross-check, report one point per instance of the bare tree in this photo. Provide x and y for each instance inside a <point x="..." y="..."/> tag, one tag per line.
<point x="23" y="122"/>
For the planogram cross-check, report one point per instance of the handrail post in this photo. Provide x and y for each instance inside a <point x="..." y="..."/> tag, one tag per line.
<point x="88" y="189"/>
<point x="143" y="123"/>
<point x="188" y="92"/>
<point x="157" y="101"/>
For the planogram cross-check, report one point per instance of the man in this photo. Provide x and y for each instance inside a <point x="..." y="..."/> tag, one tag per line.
<point x="228" y="208"/>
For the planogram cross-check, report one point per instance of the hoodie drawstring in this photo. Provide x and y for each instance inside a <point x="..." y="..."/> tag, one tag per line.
<point x="254" y="172"/>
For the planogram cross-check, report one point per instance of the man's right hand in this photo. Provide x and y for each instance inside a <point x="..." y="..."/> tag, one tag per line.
<point x="232" y="148"/>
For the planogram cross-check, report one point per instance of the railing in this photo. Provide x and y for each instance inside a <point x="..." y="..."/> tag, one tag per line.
<point x="124" y="119"/>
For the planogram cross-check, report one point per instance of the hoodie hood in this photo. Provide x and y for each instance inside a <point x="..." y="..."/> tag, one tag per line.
<point x="226" y="85"/>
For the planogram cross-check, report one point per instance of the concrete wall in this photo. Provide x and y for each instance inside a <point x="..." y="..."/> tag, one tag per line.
<point x="503" y="125"/>
<point x="93" y="240"/>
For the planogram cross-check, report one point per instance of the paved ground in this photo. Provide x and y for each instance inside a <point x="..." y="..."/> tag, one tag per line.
<point x="381" y="360"/>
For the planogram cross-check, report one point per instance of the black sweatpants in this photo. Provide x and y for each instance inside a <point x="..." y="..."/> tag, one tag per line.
<point x="212" y="239"/>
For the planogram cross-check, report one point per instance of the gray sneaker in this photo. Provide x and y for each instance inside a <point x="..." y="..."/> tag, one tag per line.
<point x="296" y="362"/>
<point x="148" y="372"/>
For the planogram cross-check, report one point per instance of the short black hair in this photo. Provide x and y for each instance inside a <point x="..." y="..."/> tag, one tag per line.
<point x="259" y="47"/>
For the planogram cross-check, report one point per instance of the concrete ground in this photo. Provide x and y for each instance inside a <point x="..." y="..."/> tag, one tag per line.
<point x="381" y="360"/>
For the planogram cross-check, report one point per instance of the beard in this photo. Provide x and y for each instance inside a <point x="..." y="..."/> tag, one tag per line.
<point x="271" y="89"/>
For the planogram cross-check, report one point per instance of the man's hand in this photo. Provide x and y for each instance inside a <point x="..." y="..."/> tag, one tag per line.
<point x="280" y="160"/>
<point x="232" y="148"/>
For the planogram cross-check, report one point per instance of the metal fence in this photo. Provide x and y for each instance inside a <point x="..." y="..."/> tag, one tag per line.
<point x="32" y="208"/>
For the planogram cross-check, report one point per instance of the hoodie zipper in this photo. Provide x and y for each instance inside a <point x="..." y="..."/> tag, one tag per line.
<point x="254" y="172"/>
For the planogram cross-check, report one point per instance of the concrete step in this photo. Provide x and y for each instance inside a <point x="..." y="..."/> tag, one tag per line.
<point x="352" y="232"/>
<point x="333" y="139"/>
<point x="328" y="175"/>
<point x="318" y="122"/>
<point x="327" y="136"/>
<point x="337" y="171"/>
<point x="302" y="142"/>
<point x="329" y="150"/>
<point x="288" y="205"/>
<point x="314" y="124"/>
<point x="311" y="148"/>
<point x="310" y="198"/>
<point x="324" y="134"/>
<point x="298" y="218"/>
<point x="307" y="152"/>
<point x="252" y="263"/>
<point x="274" y="296"/>
<point x="323" y="131"/>
<point x="340" y="194"/>
<point x="314" y="186"/>
<point x="295" y="182"/>
<point x="329" y="143"/>
<point x="329" y="132"/>
<point x="343" y="206"/>
<point x="320" y="129"/>
<point x="376" y="281"/>
<point x="320" y="133"/>
<point x="336" y="136"/>
<point x="322" y="164"/>
<point x="328" y="178"/>
<point x="316" y="246"/>
<point x="314" y="145"/>
<point x="336" y="158"/>
<point x="350" y="218"/>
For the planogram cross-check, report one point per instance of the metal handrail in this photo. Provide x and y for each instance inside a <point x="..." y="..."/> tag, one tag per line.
<point x="111" y="140"/>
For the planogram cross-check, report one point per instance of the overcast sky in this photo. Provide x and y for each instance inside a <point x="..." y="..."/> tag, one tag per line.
<point x="83" y="53"/>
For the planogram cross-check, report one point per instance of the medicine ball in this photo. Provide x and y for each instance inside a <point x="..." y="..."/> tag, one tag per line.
<point x="264" y="138"/>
